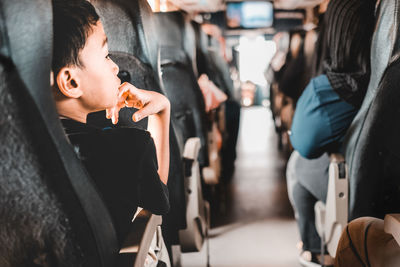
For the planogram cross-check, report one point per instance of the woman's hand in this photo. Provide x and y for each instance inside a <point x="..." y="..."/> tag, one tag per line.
<point x="147" y="103"/>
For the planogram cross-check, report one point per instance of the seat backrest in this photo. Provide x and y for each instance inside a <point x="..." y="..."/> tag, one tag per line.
<point x="48" y="203"/>
<point x="371" y="165"/>
<point x="201" y="49"/>
<point x="189" y="43"/>
<point x="179" y="80"/>
<point x="210" y="61"/>
<point x="134" y="18"/>
<point x="224" y="79"/>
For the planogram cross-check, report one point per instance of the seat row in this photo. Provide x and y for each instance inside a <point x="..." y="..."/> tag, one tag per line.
<point x="153" y="51"/>
<point x="363" y="178"/>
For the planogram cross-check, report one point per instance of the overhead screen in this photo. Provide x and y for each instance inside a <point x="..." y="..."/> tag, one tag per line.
<point x="249" y="14"/>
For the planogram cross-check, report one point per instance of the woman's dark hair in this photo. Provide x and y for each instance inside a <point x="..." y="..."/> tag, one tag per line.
<point x="347" y="34"/>
<point x="349" y="26"/>
<point x="72" y="22"/>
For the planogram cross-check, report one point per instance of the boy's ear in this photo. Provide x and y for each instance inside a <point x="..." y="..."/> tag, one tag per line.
<point x="68" y="82"/>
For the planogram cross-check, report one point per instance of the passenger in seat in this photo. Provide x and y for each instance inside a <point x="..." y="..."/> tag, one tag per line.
<point x="128" y="168"/>
<point x="331" y="100"/>
<point x="325" y="110"/>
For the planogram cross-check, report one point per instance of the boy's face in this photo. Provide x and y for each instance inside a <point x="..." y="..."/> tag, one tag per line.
<point x="98" y="78"/>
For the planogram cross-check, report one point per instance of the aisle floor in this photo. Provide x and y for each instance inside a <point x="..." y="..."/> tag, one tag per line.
<point x="255" y="226"/>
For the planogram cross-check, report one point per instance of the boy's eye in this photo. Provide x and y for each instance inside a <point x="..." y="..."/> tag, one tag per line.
<point x="108" y="56"/>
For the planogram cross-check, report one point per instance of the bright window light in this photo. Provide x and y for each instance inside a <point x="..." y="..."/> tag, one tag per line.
<point x="254" y="56"/>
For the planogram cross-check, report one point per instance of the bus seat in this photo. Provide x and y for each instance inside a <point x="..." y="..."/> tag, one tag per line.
<point x="179" y="80"/>
<point x="130" y="252"/>
<point x="210" y="60"/>
<point x="198" y="211"/>
<point x="203" y="66"/>
<point x="52" y="203"/>
<point x="371" y="148"/>
<point x="40" y="172"/>
<point x="221" y="65"/>
<point x="360" y="141"/>
<point x="215" y="67"/>
<point x="188" y="109"/>
<point x="211" y="172"/>
<point x="133" y="49"/>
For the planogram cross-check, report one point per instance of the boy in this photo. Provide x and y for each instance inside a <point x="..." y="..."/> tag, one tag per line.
<point x="121" y="161"/>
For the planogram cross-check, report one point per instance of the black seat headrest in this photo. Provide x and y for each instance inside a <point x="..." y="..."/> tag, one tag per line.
<point x="31" y="53"/>
<point x="132" y="31"/>
<point x="170" y="29"/>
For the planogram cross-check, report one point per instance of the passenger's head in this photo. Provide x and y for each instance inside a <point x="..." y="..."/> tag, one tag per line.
<point x="83" y="71"/>
<point x="349" y="26"/>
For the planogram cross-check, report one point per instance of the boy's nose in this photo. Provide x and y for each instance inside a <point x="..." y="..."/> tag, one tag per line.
<point x="115" y="68"/>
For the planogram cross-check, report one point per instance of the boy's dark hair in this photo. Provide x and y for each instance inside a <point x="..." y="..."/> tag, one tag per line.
<point x="72" y="22"/>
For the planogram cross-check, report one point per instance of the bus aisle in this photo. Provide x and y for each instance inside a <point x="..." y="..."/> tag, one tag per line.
<point x="257" y="227"/>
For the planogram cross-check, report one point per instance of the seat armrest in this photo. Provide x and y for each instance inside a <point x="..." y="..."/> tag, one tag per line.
<point x="336" y="158"/>
<point x="190" y="154"/>
<point x="332" y="217"/>
<point x="137" y="244"/>
<point x="392" y="226"/>
<point x="192" y="148"/>
<point x="192" y="238"/>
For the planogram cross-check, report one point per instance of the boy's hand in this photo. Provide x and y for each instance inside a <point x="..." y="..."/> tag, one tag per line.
<point x="147" y="103"/>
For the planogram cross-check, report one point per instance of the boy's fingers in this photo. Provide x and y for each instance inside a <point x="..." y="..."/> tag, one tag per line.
<point x="136" y="117"/>
<point x="124" y="95"/>
<point x="127" y="89"/>
<point x="108" y="113"/>
<point x="130" y="91"/>
<point x="120" y="105"/>
<point x="114" y="117"/>
<point x="143" y="112"/>
<point x="123" y="88"/>
<point x="112" y="114"/>
<point x="134" y="103"/>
